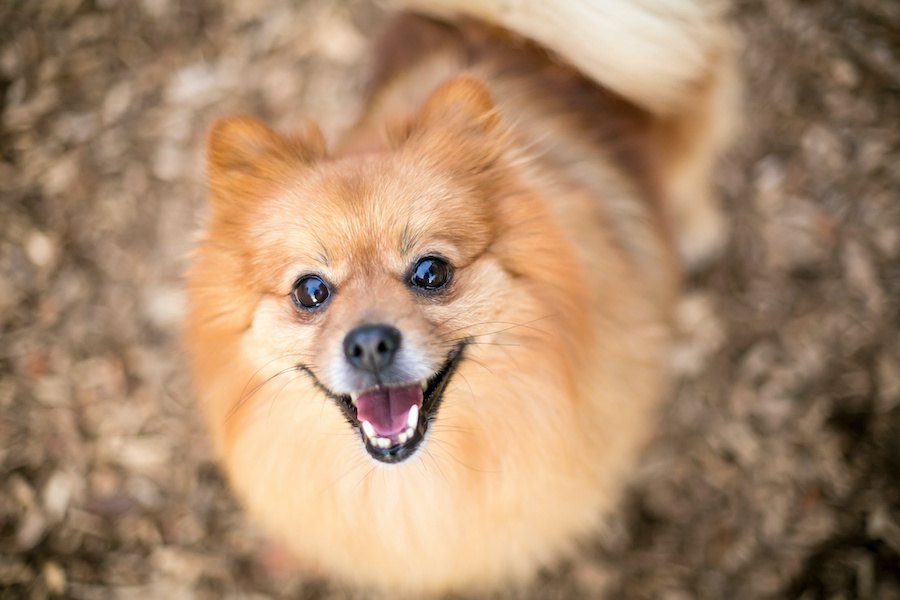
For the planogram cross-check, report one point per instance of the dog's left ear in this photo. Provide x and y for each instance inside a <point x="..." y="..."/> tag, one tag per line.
<point x="463" y="102"/>
<point x="458" y="123"/>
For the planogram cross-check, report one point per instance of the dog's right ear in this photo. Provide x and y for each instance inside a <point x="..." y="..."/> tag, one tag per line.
<point x="244" y="154"/>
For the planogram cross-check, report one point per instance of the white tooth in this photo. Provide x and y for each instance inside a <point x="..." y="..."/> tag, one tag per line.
<point x="424" y="385"/>
<point x="383" y="442"/>
<point x="368" y="430"/>
<point x="354" y="398"/>
<point x="404" y="437"/>
<point x="412" y="420"/>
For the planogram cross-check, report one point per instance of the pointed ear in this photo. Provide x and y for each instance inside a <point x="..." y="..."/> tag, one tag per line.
<point x="245" y="148"/>
<point x="464" y="101"/>
<point x="458" y="122"/>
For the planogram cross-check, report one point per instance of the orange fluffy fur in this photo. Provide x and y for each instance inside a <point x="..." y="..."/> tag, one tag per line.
<point x="551" y="197"/>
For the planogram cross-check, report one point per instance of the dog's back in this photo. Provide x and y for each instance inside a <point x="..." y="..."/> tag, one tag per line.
<point x="643" y="77"/>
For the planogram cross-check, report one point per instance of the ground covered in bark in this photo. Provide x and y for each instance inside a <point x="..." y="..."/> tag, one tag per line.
<point x="776" y="472"/>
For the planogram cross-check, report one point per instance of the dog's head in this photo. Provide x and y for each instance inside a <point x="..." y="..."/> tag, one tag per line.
<point x="386" y="281"/>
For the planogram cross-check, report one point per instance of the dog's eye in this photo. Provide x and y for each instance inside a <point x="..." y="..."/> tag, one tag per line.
<point x="430" y="273"/>
<point x="310" y="292"/>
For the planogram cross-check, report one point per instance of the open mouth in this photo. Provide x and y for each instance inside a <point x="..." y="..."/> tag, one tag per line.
<point x="393" y="420"/>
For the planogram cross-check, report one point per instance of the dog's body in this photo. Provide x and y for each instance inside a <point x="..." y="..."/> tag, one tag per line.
<point x="498" y="271"/>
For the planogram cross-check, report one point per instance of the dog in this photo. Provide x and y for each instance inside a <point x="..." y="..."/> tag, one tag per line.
<point x="429" y="356"/>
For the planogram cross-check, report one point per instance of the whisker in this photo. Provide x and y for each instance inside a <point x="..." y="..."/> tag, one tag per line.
<point x="449" y="455"/>
<point x="274" y="398"/>
<point x="510" y="325"/>
<point x="436" y="465"/>
<point x="474" y="342"/>
<point x="477" y="363"/>
<point x="356" y="464"/>
<point x="364" y="477"/>
<point x="244" y="398"/>
<point x="269" y="362"/>
<point x="453" y="429"/>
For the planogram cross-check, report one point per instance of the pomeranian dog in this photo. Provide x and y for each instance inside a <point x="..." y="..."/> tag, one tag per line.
<point x="430" y="355"/>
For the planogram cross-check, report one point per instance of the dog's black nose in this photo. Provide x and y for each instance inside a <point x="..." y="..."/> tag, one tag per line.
<point x="372" y="347"/>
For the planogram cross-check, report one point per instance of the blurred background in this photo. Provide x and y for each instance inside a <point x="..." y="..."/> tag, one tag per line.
<point x="776" y="471"/>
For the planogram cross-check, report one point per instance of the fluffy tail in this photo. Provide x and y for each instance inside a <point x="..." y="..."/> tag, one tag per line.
<point x="673" y="58"/>
<point x="652" y="52"/>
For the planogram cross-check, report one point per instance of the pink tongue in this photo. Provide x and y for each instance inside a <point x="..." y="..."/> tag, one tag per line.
<point x="387" y="409"/>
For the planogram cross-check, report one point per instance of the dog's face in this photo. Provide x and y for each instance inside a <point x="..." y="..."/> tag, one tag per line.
<point x="375" y="271"/>
<point x="380" y="279"/>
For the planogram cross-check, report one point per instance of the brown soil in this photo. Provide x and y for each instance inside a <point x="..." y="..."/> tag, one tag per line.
<point x="776" y="472"/>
